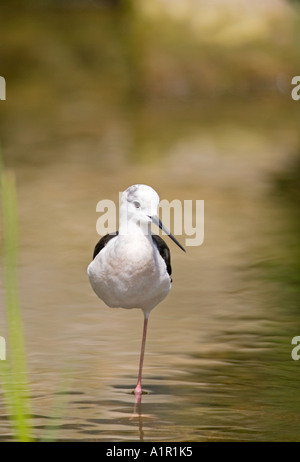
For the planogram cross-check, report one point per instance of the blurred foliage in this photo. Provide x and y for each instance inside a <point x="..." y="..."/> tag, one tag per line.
<point x="120" y="50"/>
<point x="75" y="69"/>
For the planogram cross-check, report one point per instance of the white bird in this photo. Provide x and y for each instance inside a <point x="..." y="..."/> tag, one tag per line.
<point x="131" y="268"/>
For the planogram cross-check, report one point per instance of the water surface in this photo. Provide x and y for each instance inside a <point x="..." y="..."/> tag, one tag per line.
<point x="218" y="361"/>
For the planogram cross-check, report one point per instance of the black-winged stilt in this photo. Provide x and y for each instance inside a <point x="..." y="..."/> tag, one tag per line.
<point x="131" y="268"/>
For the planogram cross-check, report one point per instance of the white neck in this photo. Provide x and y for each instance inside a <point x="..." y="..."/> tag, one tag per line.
<point x="132" y="227"/>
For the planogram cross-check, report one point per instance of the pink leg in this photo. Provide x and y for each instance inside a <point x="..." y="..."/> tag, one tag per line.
<point x="138" y="389"/>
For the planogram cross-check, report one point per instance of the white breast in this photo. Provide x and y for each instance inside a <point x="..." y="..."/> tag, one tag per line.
<point x="130" y="273"/>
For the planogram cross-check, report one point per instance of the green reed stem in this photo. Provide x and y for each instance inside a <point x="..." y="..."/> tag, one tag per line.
<point x="13" y="371"/>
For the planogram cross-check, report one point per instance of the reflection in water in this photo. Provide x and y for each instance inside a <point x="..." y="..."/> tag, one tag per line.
<point x="137" y="412"/>
<point x="219" y="345"/>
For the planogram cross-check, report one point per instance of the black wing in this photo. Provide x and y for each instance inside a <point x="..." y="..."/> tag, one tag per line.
<point x="103" y="241"/>
<point x="164" y="251"/>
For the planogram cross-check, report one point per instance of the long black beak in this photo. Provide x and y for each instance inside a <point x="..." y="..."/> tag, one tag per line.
<point x="158" y="223"/>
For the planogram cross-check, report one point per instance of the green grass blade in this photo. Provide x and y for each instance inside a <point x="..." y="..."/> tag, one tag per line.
<point x="14" y="371"/>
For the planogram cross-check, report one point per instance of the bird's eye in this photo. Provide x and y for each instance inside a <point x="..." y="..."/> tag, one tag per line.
<point x="137" y="204"/>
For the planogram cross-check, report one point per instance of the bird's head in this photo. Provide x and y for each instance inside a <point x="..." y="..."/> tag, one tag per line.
<point x="139" y="205"/>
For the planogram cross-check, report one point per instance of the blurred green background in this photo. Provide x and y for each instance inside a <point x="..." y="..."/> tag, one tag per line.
<point x="76" y="71"/>
<point x="193" y="98"/>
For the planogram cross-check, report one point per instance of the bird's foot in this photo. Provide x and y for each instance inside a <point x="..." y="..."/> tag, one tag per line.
<point x="138" y="389"/>
<point x="138" y="392"/>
